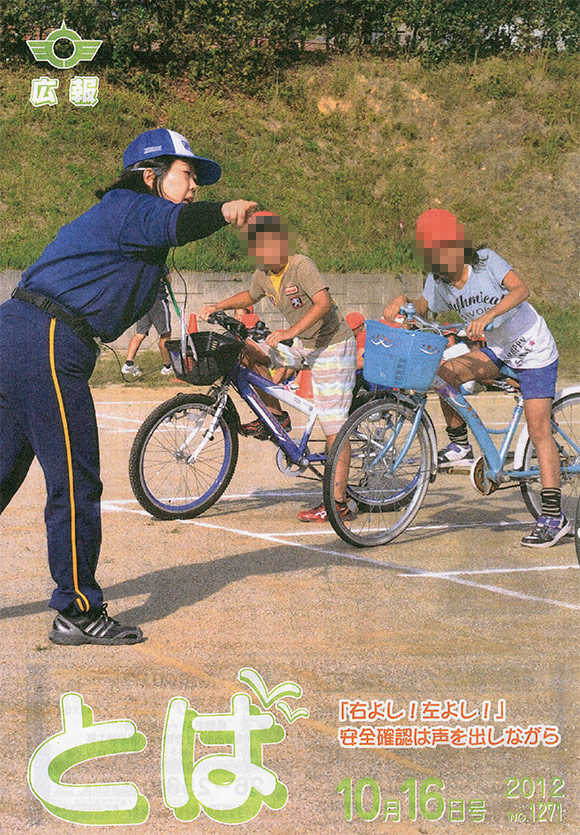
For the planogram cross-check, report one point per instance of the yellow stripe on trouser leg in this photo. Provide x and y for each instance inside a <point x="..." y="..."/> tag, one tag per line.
<point x="82" y="601"/>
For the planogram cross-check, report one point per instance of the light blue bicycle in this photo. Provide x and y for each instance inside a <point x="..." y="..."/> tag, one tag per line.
<point x="393" y="447"/>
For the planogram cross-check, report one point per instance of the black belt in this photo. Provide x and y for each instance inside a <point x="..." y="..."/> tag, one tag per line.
<point x="79" y="325"/>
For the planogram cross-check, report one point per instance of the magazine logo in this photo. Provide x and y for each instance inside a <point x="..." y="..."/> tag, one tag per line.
<point x="83" y="90"/>
<point x="82" y="50"/>
<point x="228" y="786"/>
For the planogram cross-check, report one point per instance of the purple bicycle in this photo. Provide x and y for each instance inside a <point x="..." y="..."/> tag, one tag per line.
<point x="185" y="452"/>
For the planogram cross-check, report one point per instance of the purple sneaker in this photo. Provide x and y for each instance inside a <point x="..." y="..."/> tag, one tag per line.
<point x="548" y="530"/>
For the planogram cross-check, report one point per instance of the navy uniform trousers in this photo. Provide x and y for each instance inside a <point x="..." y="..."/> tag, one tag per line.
<point x="47" y="411"/>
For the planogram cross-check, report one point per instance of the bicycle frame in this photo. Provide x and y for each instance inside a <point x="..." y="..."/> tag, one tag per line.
<point x="494" y="458"/>
<point x="244" y="379"/>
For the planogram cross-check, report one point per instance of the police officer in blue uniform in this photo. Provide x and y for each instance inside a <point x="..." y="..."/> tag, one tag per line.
<point x="99" y="275"/>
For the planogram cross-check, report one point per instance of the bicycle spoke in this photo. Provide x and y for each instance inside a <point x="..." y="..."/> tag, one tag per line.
<point x="165" y="480"/>
<point x="566" y="432"/>
<point x="388" y="473"/>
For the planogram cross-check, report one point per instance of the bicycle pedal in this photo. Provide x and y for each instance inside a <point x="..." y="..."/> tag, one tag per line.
<point x="458" y="468"/>
<point x="448" y="468"/>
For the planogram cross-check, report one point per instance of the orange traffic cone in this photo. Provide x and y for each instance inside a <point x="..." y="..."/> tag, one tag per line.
<point x="305" y="384"/>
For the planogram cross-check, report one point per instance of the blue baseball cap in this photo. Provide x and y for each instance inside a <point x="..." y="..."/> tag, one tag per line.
<point x="163" y="142"/>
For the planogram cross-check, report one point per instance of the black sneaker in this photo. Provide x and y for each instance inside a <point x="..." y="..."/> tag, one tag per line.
<point x="256" y="429"/>
<point x="548" y="530"/>
<point x="92" y="627"/>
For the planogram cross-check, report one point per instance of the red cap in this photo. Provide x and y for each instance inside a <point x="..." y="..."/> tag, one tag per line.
<point x="436" y="225"/>
<point x="354" y="319"/>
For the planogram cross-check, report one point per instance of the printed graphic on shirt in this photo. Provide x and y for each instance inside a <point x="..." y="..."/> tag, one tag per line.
<point x="517" y="353"/>
<point x="473" y="306"/>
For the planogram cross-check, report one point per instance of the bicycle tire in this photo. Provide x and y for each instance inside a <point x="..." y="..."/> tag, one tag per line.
<point x="165" y="484"/>
<point x="566" y="412"/>
<point x="577" y="529"/>
<point x="386" y="502"/>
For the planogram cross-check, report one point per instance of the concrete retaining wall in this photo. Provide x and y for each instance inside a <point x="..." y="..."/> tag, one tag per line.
<point x="365" y="292"/>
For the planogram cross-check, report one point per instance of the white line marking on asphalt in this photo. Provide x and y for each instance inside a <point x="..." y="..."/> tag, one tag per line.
<point x="494" y="570"/>
<point x="411" y="570"/>
<point x="265" y="494"/>
<point x="508" y="593"/>
<point x="312" y="531"/>
<point x="124" y="419"/>
<point x="405" y="571"/>
<point x="114" y="508"/>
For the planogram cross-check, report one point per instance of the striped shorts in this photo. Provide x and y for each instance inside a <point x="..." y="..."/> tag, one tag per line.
<point x="333" y="375"/>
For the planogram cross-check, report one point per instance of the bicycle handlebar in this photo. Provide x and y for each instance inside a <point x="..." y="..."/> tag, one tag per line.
<point x="259" y="331"/>
<point x="228" y="322"/>
<point x="410" y="311"/>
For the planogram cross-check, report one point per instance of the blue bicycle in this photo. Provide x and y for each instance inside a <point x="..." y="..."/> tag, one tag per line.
<point x="393" y="448"/>
<point x="185" y="452"/>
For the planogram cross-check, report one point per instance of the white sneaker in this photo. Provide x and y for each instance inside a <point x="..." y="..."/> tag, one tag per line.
<point x="453" y="454"/>
<point x="133" y="370"/>
<point x="166" y="371"/>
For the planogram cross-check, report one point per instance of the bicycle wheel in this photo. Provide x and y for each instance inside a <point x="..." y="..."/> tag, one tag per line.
<point x="577" y="529"/>
<point x="176" y="468"/>
<point x="566" y="414"/>
<point x="386" y="497"/>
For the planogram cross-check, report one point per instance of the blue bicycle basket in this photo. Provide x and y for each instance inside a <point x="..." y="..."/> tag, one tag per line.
<point x="398" y="358"/>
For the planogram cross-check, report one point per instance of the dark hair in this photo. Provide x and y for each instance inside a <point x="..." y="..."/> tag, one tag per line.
<point x="133" y="180"/>
<point x="267" y="223"/>
<point x="472" y="257"/>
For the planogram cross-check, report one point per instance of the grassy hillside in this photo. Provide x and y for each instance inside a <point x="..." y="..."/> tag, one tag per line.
<point x="350" y="152"/>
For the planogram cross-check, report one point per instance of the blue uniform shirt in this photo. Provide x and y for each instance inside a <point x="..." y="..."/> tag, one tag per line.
<point x="107" y="263"/>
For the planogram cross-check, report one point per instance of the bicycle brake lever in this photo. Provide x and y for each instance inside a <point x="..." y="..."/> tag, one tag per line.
<point x="260" y="330"/>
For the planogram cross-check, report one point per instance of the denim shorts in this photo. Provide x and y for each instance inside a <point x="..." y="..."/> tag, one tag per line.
<point x="535" y="383"/>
